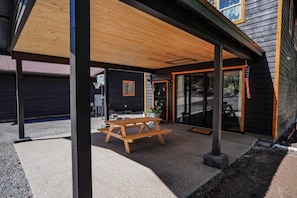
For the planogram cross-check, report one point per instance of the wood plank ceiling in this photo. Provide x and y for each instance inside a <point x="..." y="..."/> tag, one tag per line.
<point x="120" y="34"/>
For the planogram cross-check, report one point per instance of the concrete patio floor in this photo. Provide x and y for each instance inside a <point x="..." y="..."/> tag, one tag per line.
<point x="175" y="169"/>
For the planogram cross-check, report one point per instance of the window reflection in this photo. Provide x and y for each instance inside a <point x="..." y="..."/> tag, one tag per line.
<point x="232" y="9"/>
<point x="194" y="99"/>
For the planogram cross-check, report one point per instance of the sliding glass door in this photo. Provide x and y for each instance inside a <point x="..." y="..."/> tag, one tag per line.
<point x="194" y="99"/>
<point x="232" y="100"/>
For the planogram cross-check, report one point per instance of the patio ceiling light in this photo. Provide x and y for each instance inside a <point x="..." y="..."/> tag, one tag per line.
<point x="182" y="61"/>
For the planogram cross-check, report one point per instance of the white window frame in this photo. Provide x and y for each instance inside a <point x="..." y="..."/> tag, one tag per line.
<point x="242" y="13"/>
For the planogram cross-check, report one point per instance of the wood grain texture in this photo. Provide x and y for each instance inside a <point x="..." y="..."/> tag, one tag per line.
<point x="120" y="34"/>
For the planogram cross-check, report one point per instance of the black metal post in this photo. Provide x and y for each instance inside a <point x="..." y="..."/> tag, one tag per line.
<point x="217" y="100"/>
<point x="80" y="97"/>
<point x="106" y="93"/>
<point x="20" y="98"/>
<point x="216" y="158"/>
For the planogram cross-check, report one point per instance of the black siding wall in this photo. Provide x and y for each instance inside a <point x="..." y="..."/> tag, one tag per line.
<point x="260" y="24"/>
<point x="117" y="101"/>
<point x="287" y="103"/>
<point x="43" y="96"/>
<point x="7" y="97"/>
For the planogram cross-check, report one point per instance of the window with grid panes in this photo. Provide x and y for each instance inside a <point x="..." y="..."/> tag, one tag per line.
<point x="232" y="9"/>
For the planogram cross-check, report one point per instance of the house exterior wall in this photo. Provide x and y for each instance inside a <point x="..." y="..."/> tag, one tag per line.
<point x="287" y="88"/>
<point x="271" y="79"/>
<point x="46" y="96"/>
<point x="261" y="25"/>
<point x="149" y="92"/>
<point x="7" y="97"/>
<point x="43" y="96"/>
<point x="117" y="101"/>
<point x="261" y="20"/>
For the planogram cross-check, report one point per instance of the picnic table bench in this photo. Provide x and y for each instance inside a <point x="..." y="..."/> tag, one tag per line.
<point x="118" y="129"/>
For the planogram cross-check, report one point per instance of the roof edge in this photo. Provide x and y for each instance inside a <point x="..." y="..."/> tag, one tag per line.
<point x="202" y="20"/>
<point x="208" y="11"/>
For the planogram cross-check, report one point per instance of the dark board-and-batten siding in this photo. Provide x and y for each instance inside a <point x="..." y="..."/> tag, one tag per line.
<point x="287" y="103"/>
<point x="7" y="97"/>
<point x="117" y="101"/>
<point x="260" y="24"/>
<point x="43" y="96"/>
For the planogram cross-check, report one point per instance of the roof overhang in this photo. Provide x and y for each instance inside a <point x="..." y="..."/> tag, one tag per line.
<point x="5" y="9"/>
<point x="201" y="19"/>
<point x="143" y="35"/>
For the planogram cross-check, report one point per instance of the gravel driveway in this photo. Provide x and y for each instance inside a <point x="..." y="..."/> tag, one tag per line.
<point x="13" y="182"/>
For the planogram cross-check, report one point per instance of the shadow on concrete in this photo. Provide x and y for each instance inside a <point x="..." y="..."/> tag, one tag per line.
<point x="47" y="119"/>
<point x="178" y="163"/>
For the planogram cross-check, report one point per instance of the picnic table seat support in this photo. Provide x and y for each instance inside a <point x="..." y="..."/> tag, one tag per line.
<point x="130" y="138"/>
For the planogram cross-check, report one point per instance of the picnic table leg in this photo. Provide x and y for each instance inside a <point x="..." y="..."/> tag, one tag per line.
<point x="161" y="140"/>
<point x="156" y="123"/>
<point x="126" y="143"/>
<point x="107" y="138"/>
<point x="127" y="146"/>
<point x="140" y="128"/>
<point x="157" y="127"/>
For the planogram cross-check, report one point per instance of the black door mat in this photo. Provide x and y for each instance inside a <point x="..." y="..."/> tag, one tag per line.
<point x="201" y="130"/>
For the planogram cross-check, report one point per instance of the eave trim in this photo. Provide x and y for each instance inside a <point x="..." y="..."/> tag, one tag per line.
<point x="20" y="16"/>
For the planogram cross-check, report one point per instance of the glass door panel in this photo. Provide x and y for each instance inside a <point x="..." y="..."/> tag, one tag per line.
<point x="209" y="100"/>
<point x="182" y="99"/>
<point x="194" y="99"/>
<point x="232" y="100"/>
<point x="197" y="99"/>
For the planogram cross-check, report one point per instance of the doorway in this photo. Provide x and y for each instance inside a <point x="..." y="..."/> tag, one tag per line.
<point x="194" y="99"/>
<point x="160" y="97"/>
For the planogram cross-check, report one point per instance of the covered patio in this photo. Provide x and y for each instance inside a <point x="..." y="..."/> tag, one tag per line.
<point x="147" y="36"/>
<point x="175" y="169"/>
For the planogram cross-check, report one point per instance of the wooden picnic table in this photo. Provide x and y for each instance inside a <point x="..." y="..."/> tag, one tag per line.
<point x="118" y="129"/>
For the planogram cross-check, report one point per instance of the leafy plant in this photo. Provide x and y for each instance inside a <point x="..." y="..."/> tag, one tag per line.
<point x="155" y="109"/>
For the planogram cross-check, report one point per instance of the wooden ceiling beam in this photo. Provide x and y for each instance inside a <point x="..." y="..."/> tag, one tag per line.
<point x="62" y="60"/>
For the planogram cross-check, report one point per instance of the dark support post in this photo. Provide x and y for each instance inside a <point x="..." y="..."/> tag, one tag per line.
<point x="80" y="97"/>
<point x="216" y="158"/>
<point x="218" y="101"/>
<point x="106" y="94"/>
<point x="20" y="98"/>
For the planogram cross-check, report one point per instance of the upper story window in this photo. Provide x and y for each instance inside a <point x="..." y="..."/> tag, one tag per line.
<point x="232" y="9"/>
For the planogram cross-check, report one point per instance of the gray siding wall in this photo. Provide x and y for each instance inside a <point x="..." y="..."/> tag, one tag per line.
<point x="260" y="24"/>
<point x="287" y="103"/>
<point x="149" y="92"/>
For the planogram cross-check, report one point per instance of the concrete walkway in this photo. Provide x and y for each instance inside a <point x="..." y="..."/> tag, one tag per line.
<point x="283" y="183"/>
<point x="175" y="169"/>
